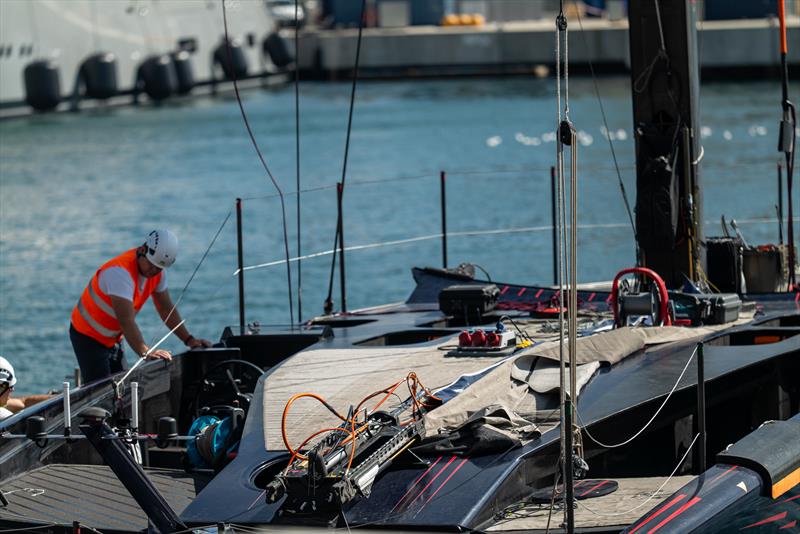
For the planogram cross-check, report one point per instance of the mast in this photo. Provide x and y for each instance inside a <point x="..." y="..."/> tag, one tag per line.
<point x="665" y="87"/>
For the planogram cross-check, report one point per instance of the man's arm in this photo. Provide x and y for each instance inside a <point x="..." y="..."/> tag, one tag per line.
<point x="17" y="404"/>
<point x="172" y="317"/>
<point x="126" y="315"/>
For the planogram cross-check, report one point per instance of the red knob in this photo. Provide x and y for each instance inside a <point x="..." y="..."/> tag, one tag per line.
<point x="465" y="339"/>
<point x="479" y="338"/>
<point x="492" y="339"/>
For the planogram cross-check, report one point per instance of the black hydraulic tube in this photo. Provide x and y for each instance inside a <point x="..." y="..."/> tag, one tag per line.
<point x="133" y="478"/>
<point x="701" y="411"/>
<point x="444" y="218"/>
<point x="569" y="482"/>
<point x="554" y="215"/>
<point x="786" y="140"/>
<point x="339" y="195"/>
<point x="780" y="203"/>
<point x="240" y="259"/>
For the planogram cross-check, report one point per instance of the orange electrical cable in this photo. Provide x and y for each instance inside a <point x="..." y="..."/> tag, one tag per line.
<point x="286" y="412"/>
<point x="412" y="383"/>
<point x="782" y="19"/>
<point x="297" y="454"/>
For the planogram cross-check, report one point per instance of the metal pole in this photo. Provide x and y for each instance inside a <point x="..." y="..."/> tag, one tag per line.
<point x="554" y="218"/>
<point x="297" y="159"/>
<point x="444" y="218"/>
<point x="701" y="410"/>
<point x="339" y="195"/>
<point x="67" y="410"/>
<point x="135" y="405"/>
<point x="240" y="259"/>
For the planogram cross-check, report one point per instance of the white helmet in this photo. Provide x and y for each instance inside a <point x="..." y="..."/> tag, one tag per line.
<point x="162" y="248"/>
<point x="7" y="375"/>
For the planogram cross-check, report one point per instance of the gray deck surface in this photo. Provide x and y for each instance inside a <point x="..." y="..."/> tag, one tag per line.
<point x="617" y="509"/>
<point x="60" y="494"/>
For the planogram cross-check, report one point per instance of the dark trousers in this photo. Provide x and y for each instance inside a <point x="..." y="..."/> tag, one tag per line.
<point x="95" y="359"/>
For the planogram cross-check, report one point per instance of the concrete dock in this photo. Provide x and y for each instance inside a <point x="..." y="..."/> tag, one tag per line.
<point x="740" y="48"/>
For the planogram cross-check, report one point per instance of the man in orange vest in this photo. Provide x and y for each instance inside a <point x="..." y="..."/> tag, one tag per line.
<point x="108" y="306"/>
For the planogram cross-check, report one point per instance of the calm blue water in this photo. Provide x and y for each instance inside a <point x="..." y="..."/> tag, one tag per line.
<point x="77" y="189"/>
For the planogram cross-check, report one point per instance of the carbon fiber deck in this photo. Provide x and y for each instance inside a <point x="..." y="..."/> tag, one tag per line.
<point x="59" y="494"/>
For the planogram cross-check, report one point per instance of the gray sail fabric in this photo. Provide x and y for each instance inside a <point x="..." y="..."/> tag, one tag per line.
<point x="528" y="385"/>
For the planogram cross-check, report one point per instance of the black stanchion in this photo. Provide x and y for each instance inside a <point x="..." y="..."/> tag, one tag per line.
<point x="554" y="217"/>
<point x="444" y="218"/>
<point x="339" y="195"/>
<point x="240" y="255"/>
<point x="701" y="410"/>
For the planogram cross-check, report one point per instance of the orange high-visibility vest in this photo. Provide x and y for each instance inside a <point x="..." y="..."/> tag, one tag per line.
<point x="94" y="316"/>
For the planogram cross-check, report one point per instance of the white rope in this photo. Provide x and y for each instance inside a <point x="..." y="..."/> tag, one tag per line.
<point x="473" y="233"/>
<point x="580" y="503"/>
<point x="700" y="157"/>
<point x="660" y="28"/>
<point x="674" y="387"/>
<point x="146" y="354"/>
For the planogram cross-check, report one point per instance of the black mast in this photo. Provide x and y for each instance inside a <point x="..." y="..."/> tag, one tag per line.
<point x="665" y="87"/>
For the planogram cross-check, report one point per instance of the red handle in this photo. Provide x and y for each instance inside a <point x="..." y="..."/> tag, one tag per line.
<point x="663" y="313"/>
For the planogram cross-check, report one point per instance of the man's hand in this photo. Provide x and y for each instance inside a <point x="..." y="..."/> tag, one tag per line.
<point x="195" y="343"/>
<point x="160" y="354"/>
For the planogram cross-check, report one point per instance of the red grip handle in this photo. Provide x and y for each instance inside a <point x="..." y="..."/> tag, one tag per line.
<point x="663" y="312"/>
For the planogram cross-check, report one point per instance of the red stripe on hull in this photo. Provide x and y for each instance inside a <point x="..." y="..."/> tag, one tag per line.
<point x="675" y="514"/>
<point x="661" y="510"/>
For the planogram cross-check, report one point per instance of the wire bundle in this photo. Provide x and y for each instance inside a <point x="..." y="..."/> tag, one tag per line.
<point x="420" y="399"/>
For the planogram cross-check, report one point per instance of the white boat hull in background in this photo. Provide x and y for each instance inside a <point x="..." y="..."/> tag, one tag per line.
<point x="69" y="32"/>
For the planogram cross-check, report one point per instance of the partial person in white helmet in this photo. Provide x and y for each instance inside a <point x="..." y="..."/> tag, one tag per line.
<point x="106" y="311"/>
<point x="8" y="379"/>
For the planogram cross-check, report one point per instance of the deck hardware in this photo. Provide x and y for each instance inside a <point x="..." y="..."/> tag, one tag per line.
<point x="135" y="406"/>
<point x="67" y="412"/>
<point x="35" y="431"/>
<point x="167" y="432"/>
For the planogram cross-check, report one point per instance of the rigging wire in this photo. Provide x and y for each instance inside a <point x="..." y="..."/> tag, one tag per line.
<point x="197" y="267"/>
<point x="610" y="142"/>
<point x="470" y="233"/>
<point x="297" y="154"/>
<point x="338" y="236"/>
<point x="561" y="24"/>
<point x="263" y="163"/>
<point x="680" y="462"/>
<point x="653" y="418"/>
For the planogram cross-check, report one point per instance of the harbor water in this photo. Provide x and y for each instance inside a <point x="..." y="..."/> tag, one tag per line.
<point x="77" y="189"/>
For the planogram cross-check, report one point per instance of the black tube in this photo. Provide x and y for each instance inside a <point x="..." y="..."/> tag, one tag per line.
<point x="780" y="203"/>
<point x="554" y="216"/>
<point x="701" y="411"/>
<point x="568" y="476"/>
<point x="132" y="476"/>
<point x="240" y="259"/>
<point x="339" y="195"/>
<point x="444" y="219"/>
